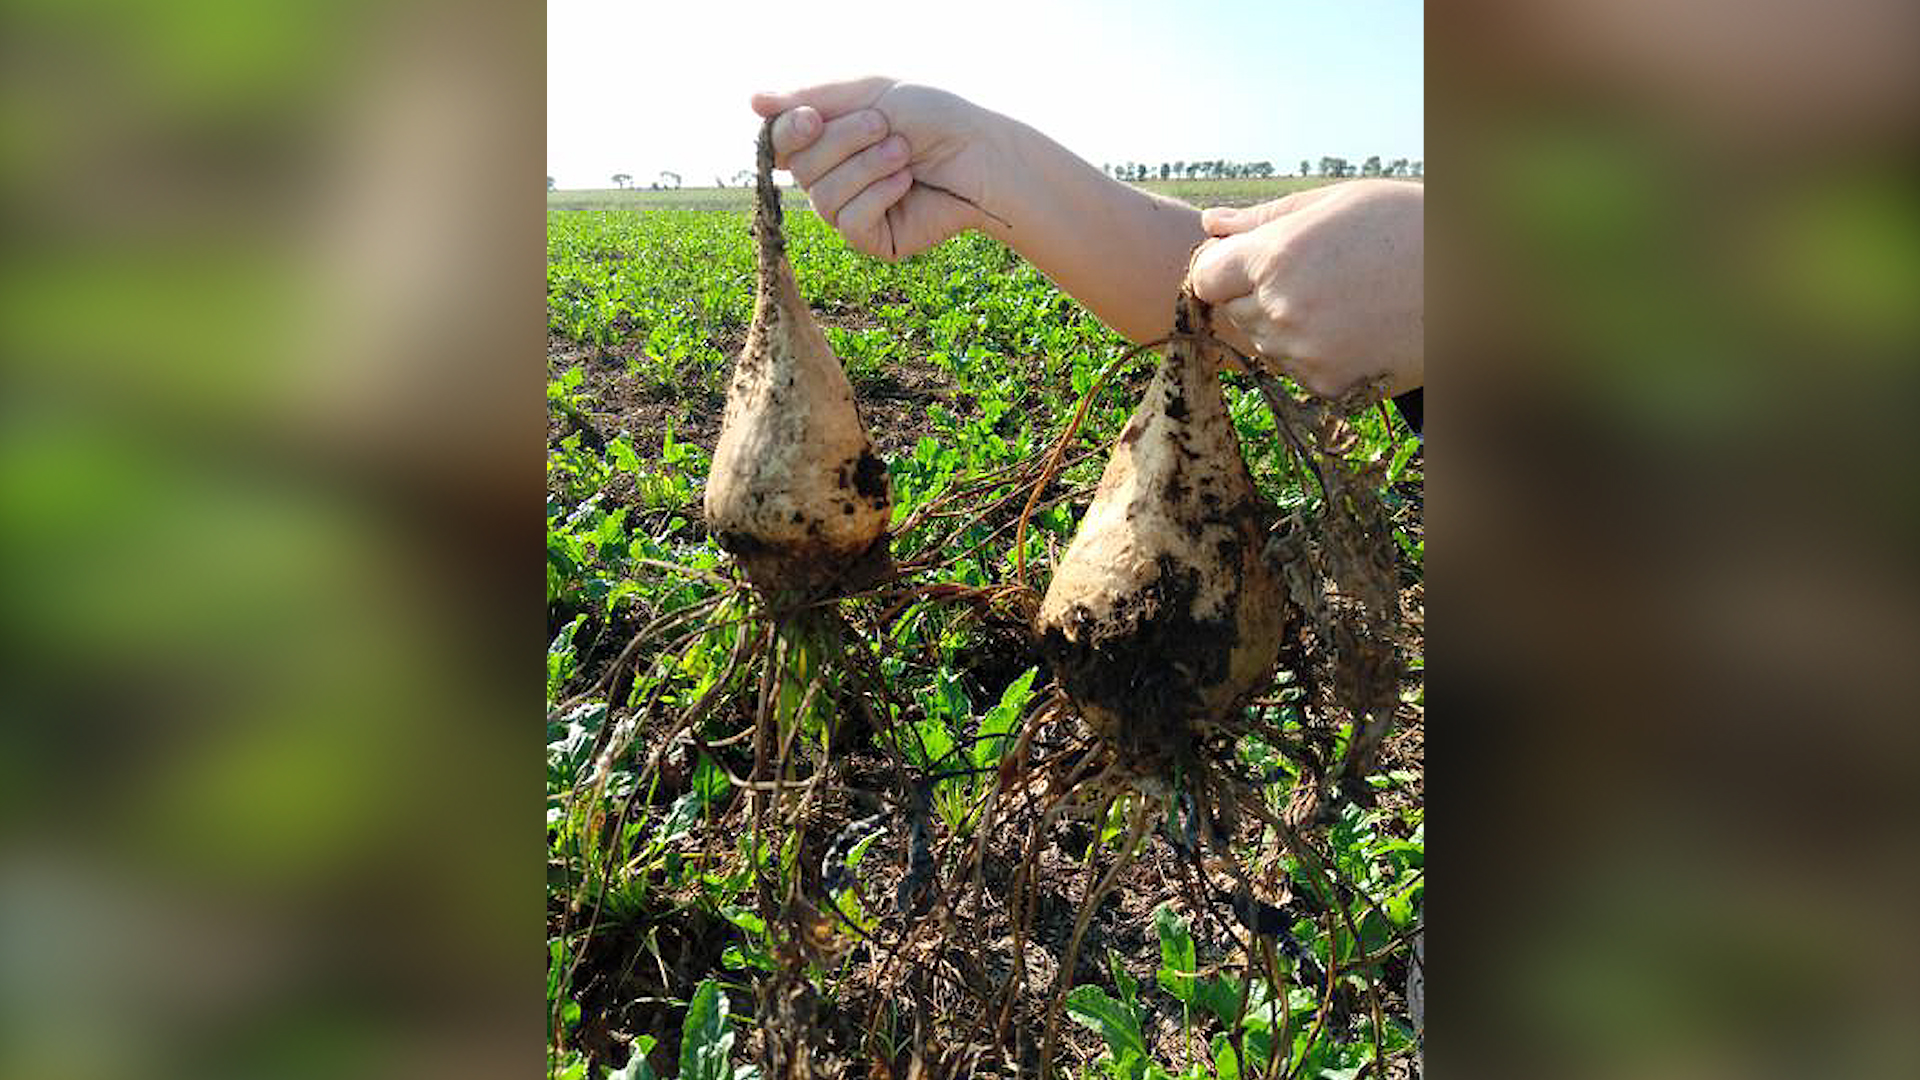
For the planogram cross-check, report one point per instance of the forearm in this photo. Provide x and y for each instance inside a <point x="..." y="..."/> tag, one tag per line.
<point x="1120" y="251"/>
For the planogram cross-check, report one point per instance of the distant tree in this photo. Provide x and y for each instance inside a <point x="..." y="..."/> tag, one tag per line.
<point x="1179" y="168"/>
<point x="1263" y="169"/>
<point x="549" y="183"/>
<point x="620" y="179"/>
<point x="1371" y="166"/>
<point x="1166" y="169"/>
<point x="1397" y="167"/>
<point x="665" y="174"/>
<point x="717" y="182"/>
<point x="1305" y="169"/>
<point x="1417" y="168"/>
<point x="743" y="177"/>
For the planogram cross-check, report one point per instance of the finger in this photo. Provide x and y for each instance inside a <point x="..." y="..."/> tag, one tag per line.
<point x="863" y="220"/>
<point x="832" y="99"/>
<point x="1224" y="329"/>
<point x="832" y="192"/>
<point x="1229" y="220"/>
<point x="840" y="140"/>
<point x="1221" y="270"/>
<point x="1257" y="322"/>
<point x="793" y="131"/>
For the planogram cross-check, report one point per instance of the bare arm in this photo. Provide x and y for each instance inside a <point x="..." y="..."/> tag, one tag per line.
<point x="1325" y="283"/>
<point x="897" y="168"/>
<point x="1119" y="250"/>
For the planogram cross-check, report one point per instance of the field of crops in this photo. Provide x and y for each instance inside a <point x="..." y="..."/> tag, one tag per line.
<point x="968" y="367"/>
<point x="1236" y="192"/>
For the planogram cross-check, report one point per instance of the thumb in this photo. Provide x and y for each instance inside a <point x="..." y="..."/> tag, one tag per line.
<point x="833" y="99"/>
<point x="1229" y="220"/>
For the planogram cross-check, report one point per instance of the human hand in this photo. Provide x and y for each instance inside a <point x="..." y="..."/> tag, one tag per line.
<point x="894" y="166"/>
<point x="1326" y="283"/>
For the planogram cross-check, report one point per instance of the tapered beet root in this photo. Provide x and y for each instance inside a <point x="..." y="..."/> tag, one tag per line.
<point x="796" y="492"/>
<point x="1163" y="615"/>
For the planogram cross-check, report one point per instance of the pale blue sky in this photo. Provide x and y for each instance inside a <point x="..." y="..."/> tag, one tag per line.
<point x="638" y="87"/>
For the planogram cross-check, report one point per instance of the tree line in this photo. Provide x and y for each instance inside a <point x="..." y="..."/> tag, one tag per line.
<point x="1218" y="169"/>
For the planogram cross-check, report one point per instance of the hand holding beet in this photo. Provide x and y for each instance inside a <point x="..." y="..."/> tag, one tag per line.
<point x="1326" y="282"/>
<point x="895" y="167"/>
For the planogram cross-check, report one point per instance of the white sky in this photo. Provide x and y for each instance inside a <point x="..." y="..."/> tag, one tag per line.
<point x="645" y="85"/>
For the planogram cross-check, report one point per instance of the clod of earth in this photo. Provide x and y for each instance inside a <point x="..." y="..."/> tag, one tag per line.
<point x="796" y="492"/>
<point x="1163" y="615"/>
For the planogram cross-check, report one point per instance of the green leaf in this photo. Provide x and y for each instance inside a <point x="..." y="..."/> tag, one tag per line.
<point x="1126" y="1065"/>
<point x="929" y="742"/>
<point x="1226" y="1063"/>
<point x="859" y="849"/>
<point x="1125" y="983"/>
<point x="1178" y="960"/>
<point x="563" y="641"/>
<point x="1220" y="996"/>
<point x="620" y="592"/>
<point x="1093" y="1008"/>
<point x="705" y="1038"/>
<point x="612" y="529"/>
<point x="636" y="1067"/>
<point x="997" y="726"/>
<point x="710" y="781"/>
<point x="623" y="454"/>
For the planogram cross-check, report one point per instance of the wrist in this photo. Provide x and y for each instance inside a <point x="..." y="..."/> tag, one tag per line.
<point x="1030" y="183"/>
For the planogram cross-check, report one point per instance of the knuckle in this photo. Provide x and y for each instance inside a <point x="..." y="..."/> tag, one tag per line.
<point x="827" y="211"/>
<point x="883" y="156"/>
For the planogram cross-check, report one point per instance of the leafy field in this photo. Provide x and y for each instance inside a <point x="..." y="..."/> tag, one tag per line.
<point x="968" y="366"/>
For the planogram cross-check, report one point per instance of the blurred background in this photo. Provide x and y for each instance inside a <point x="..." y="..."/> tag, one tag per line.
<point x="270" y="477"/>
<point x="1674" y="274"/>
<point x="270" y="464"/>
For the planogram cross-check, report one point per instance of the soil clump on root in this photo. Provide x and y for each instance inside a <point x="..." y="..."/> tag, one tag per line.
<point x="1163" y="614"/>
